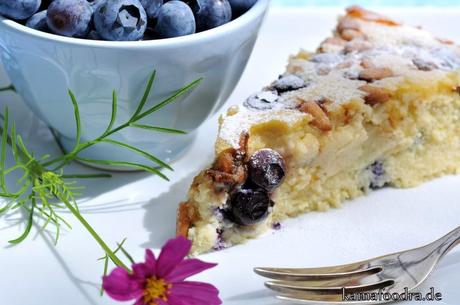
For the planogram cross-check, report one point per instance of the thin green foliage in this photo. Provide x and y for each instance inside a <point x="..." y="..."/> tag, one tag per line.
<point x="159" y="129"/>
<point x="77" y="118"/>
<point x="131" y="165"/>
<point x="44" y="189"/>
<point x="86" y="176"/>
<point x="146" y="95"/>
<point x="3" y="150"/>
<point x="167" y="101"/>
<point x="106" y="259"/>
<point x="30" y="220"/>
<point x="125" y="253"/>
<point x="113" y="116"/>
<point x="133" y="121"/>
<point x="139" y="152"/>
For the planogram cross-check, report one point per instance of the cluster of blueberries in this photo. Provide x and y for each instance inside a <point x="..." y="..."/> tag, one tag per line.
<point x="124" y="20"/>
<point x="250" y="203"/>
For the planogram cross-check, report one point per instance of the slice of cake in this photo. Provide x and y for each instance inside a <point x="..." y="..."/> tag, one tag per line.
<point x="377" y="104"/>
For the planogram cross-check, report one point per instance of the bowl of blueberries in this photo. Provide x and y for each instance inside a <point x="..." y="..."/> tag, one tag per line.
<point x="93" y="47"/>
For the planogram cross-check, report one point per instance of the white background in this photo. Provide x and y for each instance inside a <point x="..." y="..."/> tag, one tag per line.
<point x="142" y="207"/>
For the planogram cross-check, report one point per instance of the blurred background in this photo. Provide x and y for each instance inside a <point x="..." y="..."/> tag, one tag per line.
<point x="399" y="3"/>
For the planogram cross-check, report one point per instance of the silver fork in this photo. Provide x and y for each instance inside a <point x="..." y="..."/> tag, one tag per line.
<point x="366" y="282"/>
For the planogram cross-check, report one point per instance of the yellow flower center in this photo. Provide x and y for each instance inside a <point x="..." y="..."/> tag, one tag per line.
<point x="156" y="289"/>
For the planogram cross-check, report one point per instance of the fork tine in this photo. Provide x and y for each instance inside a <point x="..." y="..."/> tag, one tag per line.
<point x="335" y="296"/>
<point x="320" y="299"/>
<point x="286" y="287"/>
<point x="300" y="274"/>
<point x="352" y="280"/>
<point x="333" y="299"/>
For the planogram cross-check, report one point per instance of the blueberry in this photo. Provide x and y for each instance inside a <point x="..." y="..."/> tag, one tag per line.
<point x="175" y="18"/>
<point x="378" y="176"/>
<point x="19" y="9"/>
<point x="93" y="35"/>
<point x="220" y="243"/>
<point x="95" y="4"/>
<point x="120" y="20"/>
<point x="150" y="34"/>
<point x="38" y="22"/>
<point x="240" y="7"/>
<point x="266" y="169"/>
<point x="211" y="13"/>
<point x="248" y="206"/>
<point x="262" y="101"/>
<point x="288" y="82"/>
<point x="69" y="17"/>
<point x="45" y="4"/>
<point x="152" y="7"/>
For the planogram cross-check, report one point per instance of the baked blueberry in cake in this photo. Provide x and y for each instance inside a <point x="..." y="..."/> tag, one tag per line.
<point x="377" y="104"/>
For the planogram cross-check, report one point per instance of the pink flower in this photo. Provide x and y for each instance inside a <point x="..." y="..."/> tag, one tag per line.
<point x="162" y="281"/>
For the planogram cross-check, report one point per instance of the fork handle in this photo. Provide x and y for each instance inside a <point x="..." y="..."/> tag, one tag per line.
<point x="448" y="242"/>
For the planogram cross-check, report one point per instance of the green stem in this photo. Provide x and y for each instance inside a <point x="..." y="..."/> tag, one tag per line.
<point x="9" y="141"/>
<point x="88" y="227"/>
<point x="66" y="159"/>
<point x="86" y="176"/>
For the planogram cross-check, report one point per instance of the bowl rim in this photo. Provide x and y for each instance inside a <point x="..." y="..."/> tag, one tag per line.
<point x="258" y="9"/>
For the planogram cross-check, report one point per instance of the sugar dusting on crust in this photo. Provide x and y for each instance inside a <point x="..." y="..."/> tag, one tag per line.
<point x="333" y="87"/>
<point x="240" y="122"/>
<point x="382" y="35"/>
<point x="363" y="40"/>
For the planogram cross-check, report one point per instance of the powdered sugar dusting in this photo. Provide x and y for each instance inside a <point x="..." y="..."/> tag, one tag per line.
<point x="381" y="35"/>
<point x="335" y="72"/>
<point x="334" y="87"/>
<point x="233" y="126"/>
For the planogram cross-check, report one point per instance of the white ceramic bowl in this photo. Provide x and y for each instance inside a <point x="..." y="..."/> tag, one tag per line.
<point x="43" y="67"/>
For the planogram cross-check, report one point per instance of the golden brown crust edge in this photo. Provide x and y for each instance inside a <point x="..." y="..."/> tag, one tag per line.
<point x="186" y="215"/>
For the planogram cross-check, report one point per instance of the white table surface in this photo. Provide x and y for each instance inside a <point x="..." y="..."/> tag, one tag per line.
<point x="142" y="207"/>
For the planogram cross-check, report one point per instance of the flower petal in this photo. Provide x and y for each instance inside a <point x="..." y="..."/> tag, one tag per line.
<point x="173" y="300"/>
<point x="187" y="268"/>
<point x="196" y="293"/>
<point x="173" y="253"/>
<point x="150" y="259"/>
<point x="141" y="272"/>
<point x="161" y="302"/>
<point x="120" y="286"/>
<point x="140" y="301"/>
